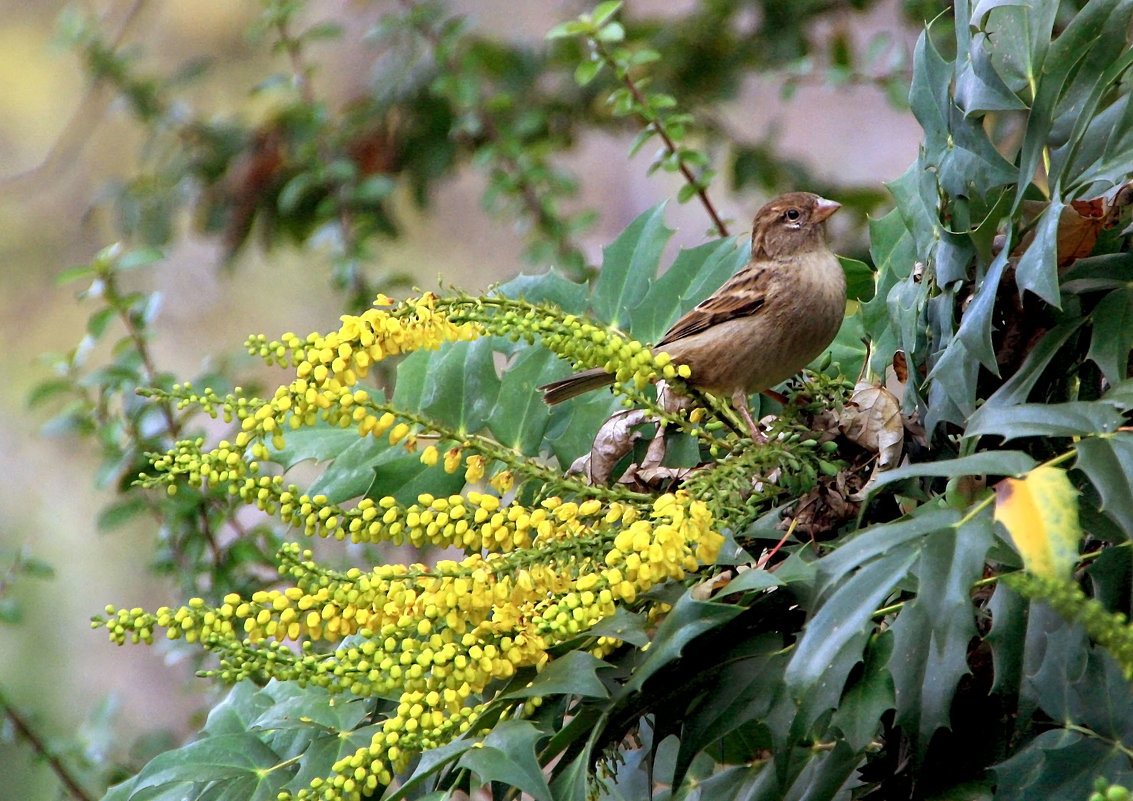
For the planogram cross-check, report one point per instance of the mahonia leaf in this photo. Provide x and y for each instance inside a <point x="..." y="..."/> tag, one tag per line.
<point x="694" y="275"/>
<point x="1040" y="512"/>
<point x="629" y="265"/>
<point x="508" y="756"/>
<point x="1112" y="335"/>
<point x="931" y="634"/>
<point x="1070" y="419"/>
<point x="1108" y="463"/>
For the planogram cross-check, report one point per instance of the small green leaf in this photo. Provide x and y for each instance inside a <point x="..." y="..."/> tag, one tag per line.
<point x="569" y="28"/>
<point x="587" y="71"/>
<point x="75" y="273"/>
<point x="611" y="32"/>
<point x="603" y="11"/>
<point x="139" y="258"/>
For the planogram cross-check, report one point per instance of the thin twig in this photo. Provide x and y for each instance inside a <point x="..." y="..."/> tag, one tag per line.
<point x="25" y="731"/>
<point x="670" y="145"/>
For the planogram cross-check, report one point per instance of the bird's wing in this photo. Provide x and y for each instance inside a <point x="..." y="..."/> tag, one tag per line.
<point x="742" y="295"/>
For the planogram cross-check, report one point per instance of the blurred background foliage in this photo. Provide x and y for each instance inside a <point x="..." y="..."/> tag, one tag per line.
<point x="289" y="161"/>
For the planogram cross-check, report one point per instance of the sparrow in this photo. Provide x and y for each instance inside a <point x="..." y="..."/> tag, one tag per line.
<point x="767" y="322"/>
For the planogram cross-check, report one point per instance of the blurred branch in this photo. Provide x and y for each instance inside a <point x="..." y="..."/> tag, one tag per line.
<point x="25" y="732"/>
<point x="77" y="132"/>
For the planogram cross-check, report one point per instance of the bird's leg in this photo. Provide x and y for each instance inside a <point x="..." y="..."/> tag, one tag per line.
<point x="739" y="402"/>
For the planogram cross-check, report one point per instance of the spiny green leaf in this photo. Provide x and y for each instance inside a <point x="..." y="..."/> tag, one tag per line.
<point x="461" y="385"/>
<point x="549" y="287"/>
<point x="519" y="418"/>
<point x="1037" y="269"/>
<point x="1071" y="419"/>
<point x="995" y="463"/>
<point x="508" y="756"/>
<point x="1111" y="337"/>
<point x="687" y="620"/>
<point x="629" y="265"/>
<point x="693" y="276"/>
<point x="573" y="673"/>
<point x="1108" y="463"/>
<point x="845" y="616"/>
<point x="223" y="756"/>
<point x="932" y="632"/>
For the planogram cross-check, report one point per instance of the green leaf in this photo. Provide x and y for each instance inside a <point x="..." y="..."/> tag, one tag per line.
<point x="1060" y="764"/>
<point x="121" y="513"/>
<point x="694" y="275"/>
<point x="507" y="756"/>
<point x="236" y="711"/>
<point x="1018" y="387"/>
<point x="932" y="632"/>
<point x="994" y="463"/>
<point x="461" y="385"/>
<point x="750" y="580"/>
<point x="139" y="258"/>
<point x="622" y="625"/>
<point x="225" y="756"/>
<point x="1111" y="337"/>
<point x="587" y="71"/>
<point x="520" y="418"/>
<point x="628" y="267"/>
<point x="320" y="442"/>
<point x="1071" y="419"/>
<point x="549" y="287"/>
<point x="97" y="322"/>
<point x="74" y="273"/>
<point x="845" y="617"/>
<point x="870" y="543"/>
<point x="603" y="11"/>
<point x="859" y="713"/>
<point x="405" y="477"/>
<point x="573" y="673"/>
<point x="742" y="691"/>
<point x="687" y="620"/>
<point x="1108" y="463"/>
<point x="860" y="279"/>
<point x="1037" y="268"/>
<point x="309" y="707"/>
<point x="430" y="762"/>
<point x="975" y="325"/>
<point x="1007" y="638"/>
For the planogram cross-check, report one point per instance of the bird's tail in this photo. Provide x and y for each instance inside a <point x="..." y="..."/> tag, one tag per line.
<point x="577" y="384"/>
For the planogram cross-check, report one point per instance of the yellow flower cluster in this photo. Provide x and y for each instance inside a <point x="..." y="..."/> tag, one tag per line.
<point x="586" y="344"/>
<point x="440" y="635"/>
<point x="327" y="367"/>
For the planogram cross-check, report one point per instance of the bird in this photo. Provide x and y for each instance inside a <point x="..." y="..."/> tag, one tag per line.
<point x="765" y="323"/>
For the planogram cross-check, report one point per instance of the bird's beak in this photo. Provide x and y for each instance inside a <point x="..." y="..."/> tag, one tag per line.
<point x="824" y="208"/>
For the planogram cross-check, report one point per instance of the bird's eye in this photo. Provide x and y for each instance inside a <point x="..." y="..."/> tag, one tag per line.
<point x="792" y="215"/>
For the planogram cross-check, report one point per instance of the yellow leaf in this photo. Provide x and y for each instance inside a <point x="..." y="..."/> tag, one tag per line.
<point x="1040" y="512"/>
